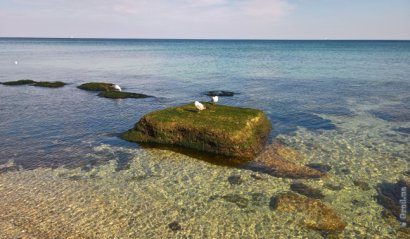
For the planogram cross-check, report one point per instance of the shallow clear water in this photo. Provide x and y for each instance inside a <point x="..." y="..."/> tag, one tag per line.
<point x="65" y="173"/>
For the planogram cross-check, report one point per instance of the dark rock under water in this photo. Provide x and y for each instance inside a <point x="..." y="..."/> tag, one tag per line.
<point x="324" y="168"/>
<point x="392" y="196"/>
<point x="235" y="180"/>
<point x="306" y="190"/>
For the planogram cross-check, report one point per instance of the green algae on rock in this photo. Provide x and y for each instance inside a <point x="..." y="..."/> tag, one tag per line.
<point x="317" y="215"/>
<point x="19" y="82"/>
<point x="55" y="84"/>
<point x="220" y="129"/>
<point x="121" y="95"/>
<point x="97" y="86"/>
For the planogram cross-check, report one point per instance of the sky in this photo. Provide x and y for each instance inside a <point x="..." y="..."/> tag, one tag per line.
<point x="207" y="19"/>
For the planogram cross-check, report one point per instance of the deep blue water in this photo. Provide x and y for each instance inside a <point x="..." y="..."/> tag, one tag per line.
<point x="294" y="82"/>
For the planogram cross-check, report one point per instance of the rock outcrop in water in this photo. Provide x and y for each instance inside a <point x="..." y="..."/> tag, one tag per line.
<point x="225" y="130"/>
<point x="97" y="86"/>
<point x="317" y="215"/>
<point x="19" y="82"/>
<point x="54" y="84"/>
<point x="219" y="93"/>
<point x="121" y="95"/>
<point x="108" y="90"/>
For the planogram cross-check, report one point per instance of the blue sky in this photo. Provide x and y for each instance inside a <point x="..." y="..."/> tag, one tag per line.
<point x="216" y="19"/>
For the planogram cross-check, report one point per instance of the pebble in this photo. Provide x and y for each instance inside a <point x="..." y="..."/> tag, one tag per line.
<point x="174" y="226"/>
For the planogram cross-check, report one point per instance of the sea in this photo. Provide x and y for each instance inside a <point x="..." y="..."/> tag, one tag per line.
<point x="66" y="173"/>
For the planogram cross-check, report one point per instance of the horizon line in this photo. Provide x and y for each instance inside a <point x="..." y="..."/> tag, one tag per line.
<point x="208" y="39"/>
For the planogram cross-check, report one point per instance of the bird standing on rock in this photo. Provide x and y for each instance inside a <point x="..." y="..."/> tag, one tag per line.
<point x="199" y="106"/>
<point x="117" y="87"/>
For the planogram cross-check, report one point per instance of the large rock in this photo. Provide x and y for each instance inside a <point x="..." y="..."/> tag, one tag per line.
<point x="19" y="82"/>
<point x="121" y="95"/>
<point x="281" y="161"/>
<point x="316" y="215"/>
<point x="219" y="129"/>
<point x="97" y="86"/>
<point x="394" y="197"/>
<point x="54" y="84"/>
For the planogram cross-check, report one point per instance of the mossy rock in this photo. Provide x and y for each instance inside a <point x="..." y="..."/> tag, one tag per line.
<point x="121" y="95"/>
<point x="219" y="129"/>
<point x="19" y="82"/>
<point x="219" y="93"/>
<point x="55" y="84"/>
<point x="97" y="86"/>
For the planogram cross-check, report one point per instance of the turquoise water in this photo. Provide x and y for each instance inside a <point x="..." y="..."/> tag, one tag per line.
<point x="341" y="103"/>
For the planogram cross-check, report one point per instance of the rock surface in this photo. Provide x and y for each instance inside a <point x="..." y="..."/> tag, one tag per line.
<point x="55" y="84"/>
<point x="219" y="129"/>
<point x="121" y="95"/>
<point x="362" y="185"/>
<point x="306" y="190"/>
<point x="235" y="180"/>
<point x="97" y="86"/>
<point x="280" y="161"/>
<point x="317" y="215"/>
<point x="19" y="82"/>
<point x="391" y="197"/>
<point x="324" y="168"/>
<point x="219" y="93"/>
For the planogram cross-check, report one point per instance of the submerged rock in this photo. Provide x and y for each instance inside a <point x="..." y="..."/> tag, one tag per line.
<point x="55" y="84"/>
<point x="317" y="215"/>
<point x="19" y="82"/>
<point x="121" y="95"/>
<point x="306" y="190"/>
<point x="256" y="176"/>
<point x="395" y="196"/>
<point x="362" y="185"/>
<point x="280" y="161"/>
<point x="235" y="180"/>
<point x="219" y="93"/>
<point x="237" y="199"/>
<point x="333" y="187"/>
<point x="219" y="129"/>
<point x="324" y="168"/>
<point x="97" y="86"/>
<point x="174" y="226"/>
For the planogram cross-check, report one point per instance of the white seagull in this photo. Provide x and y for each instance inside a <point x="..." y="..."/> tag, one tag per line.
<point x="199" y="106"/>
<point x="117" y="87"/>
<point x="214" y="99"/>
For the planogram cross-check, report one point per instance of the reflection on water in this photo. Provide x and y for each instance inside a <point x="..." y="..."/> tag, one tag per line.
<point x="64" y="173"/>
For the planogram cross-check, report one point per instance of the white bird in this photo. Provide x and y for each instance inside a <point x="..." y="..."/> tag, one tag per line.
<point x="117" y="87"/>
<point x="16" y="62"/>
<point x="214" y="99"/>
<point x="199" y="106"/>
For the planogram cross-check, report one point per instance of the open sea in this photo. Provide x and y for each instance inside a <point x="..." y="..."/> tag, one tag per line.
<point x="65" y="173"/>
